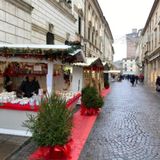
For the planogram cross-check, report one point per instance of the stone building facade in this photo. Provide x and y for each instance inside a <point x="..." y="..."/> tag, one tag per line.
<point x="150" y="43"/>
<point x="129" y="63"/>
<point x="132" y="39"/>
<point x="129" y="66"/>
<point x="35" y="21"/>
<point x="55" y="22"/>
<point x="98" y="37"/>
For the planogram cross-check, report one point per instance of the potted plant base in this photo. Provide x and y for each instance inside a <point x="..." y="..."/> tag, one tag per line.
<point x="51" y="130"/>
<point x="52" y="153"/>
<point x="89" y="111"/>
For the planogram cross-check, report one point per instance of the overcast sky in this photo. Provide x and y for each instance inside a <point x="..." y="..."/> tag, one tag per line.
<point x="122" y="16"/>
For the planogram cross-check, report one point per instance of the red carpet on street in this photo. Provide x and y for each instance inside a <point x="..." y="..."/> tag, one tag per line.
<point x="82" y="127"/>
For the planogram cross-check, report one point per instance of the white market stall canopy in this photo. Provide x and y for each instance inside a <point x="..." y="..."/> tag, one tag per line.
<point x="35" y="46"/>
<point x="112" y="71"/>
<point x="90" y="62"/>
<point x="65" y="53"/>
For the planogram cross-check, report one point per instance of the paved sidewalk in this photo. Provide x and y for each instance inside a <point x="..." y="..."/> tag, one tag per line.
<point x="9" y="144"/>
<point x="128" y="127"/>
<point x="24" y="152"/>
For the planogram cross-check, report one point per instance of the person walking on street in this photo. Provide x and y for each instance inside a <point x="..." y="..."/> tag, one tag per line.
<point x="132" y="80"/>
<point x="136" y="78"/>
<point x="158" y="84"/>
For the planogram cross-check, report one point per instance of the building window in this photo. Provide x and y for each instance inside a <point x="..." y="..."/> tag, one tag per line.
<point x="159" y="33"/>
<point x="152" y="42"/>
<point x="79" y="25"/>
<point x="155" y="37"/>
<point x="96" y="41"/>
<point x="89" y="34"/>
<point x="89" y="54"/>
<point x="156" y="18"/>
<point x="149" y="45"/>
<point x="92" y="37"/>
<point x="50" y="38"/>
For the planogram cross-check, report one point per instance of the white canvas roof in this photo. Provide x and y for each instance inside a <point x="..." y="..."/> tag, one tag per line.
<point x="89" y="62"/>
<point x="35" y="46"/>
<point x="112" y="71"/>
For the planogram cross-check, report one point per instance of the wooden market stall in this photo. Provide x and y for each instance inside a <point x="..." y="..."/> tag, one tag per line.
<point x="39" y="61"/>
<point x="106" y="74"/>
<point x="88" y="73"/>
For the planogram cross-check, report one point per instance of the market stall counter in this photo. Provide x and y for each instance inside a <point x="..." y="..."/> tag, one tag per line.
<point x="17" y="111"/>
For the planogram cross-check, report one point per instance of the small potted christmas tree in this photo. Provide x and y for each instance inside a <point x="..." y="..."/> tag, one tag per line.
<point x="91" y="101"/>
<point x="51" y="129"/>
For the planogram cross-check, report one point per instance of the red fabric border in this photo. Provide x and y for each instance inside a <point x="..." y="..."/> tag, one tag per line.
<point x="19" y="107"/>
<point x="35" y="108"/>
<point x="105" y="91"/>
<point x="71" y="101"/>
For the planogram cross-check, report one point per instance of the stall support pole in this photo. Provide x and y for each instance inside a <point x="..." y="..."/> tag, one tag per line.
<point x="50" y="77"/>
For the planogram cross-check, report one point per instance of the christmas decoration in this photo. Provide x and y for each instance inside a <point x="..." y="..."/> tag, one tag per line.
<point x="51" y="129"/>
<point x="91" y="101"/>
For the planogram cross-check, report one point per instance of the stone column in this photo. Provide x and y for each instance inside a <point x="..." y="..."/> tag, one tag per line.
<point x="86" y="20"/>
<point x="158" y="65"/>
<point x="155" y="72"/>
<point x="146" y="72"/>
<point x="149" y="74"/>
<point x="157" y="69"/>
<point x="50" y="78"/>
<point x="152" y="73"/>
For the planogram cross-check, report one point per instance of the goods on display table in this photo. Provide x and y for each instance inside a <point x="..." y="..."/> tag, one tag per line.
<point x="9" y="100"/>
<point x="70" y="97"/>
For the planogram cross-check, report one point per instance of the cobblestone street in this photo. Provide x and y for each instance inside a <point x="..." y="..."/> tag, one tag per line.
<point x="128" y="127"/>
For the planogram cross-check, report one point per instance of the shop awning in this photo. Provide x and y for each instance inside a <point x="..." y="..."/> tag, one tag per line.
<point x="112" y="71"/>
<point x="79" y="55"/>
<point x="63" y="52"/>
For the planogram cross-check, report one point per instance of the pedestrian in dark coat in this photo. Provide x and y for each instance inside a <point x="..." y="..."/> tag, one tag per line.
<point x="158" y="84"/>
<point x="137" y="78"/>
<point x="132" y="80"/>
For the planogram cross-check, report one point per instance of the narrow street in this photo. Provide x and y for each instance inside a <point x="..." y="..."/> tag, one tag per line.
<point x="128" y="127"/>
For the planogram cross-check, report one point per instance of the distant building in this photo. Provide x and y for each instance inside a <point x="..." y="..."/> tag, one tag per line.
<point x="118" y="65"/>
<point x="132" y="39"/>
<point x="129" y="66"/>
